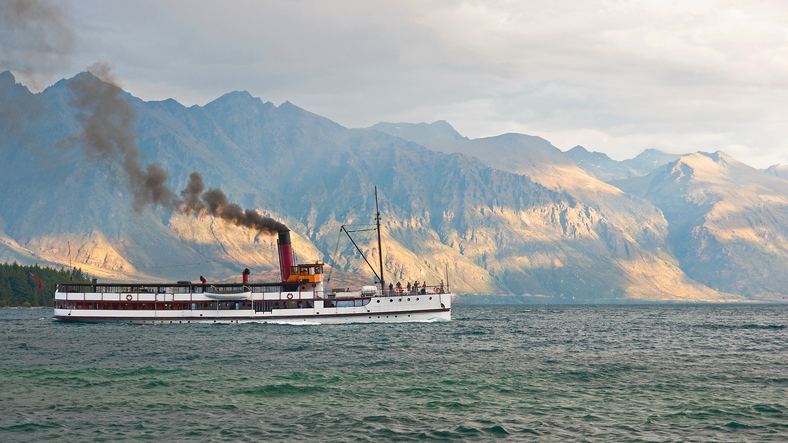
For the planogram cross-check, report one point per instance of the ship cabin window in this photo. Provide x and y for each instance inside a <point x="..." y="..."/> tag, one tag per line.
<point x="310" y="269"/>
<point x="335" y="303"/>
<point x="234" y="305"/>
<point x="291" y="304"/>
<point x="265" y="288"/>
<point x="178" y="289"/>
<point x="297" y="304"/>
<point x="290" y="288"/>
<point x="159" y="306"/>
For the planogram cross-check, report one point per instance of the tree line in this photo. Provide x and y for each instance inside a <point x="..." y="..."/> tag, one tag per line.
<point x="19" y="288"/>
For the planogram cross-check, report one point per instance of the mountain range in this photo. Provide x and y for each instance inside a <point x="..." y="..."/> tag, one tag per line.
<point x="509" y="216"/>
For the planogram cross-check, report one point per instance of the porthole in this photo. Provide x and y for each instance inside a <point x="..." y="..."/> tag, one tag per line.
<point x="408" y="299"/>
<point x="400" y="299"/>
<point x="378" y="301"/>
<point x="391" y="300"/>
<point x="430" y="298"/>
<point x="417" y="299"/>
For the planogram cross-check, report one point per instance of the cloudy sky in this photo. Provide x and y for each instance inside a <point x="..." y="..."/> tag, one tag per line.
<point x="616" y="76"/>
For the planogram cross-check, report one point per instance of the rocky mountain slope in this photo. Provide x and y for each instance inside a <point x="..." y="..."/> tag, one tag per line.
<point x="779" y="170"/>
<point x="727" y="222"/>
<point x="604" y="234"/>
<point x="508" y="215"/>
<point x="606" y="169"/>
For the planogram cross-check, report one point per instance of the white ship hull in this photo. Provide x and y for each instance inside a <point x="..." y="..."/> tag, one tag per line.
<point x="172" y="308"/>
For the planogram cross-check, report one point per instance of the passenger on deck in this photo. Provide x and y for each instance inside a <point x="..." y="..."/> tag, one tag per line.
<point x="424" y="288"/>
<point x="408" y="287"/>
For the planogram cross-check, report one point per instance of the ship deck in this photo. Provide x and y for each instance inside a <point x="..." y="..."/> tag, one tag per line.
<point x="234" y="303"/>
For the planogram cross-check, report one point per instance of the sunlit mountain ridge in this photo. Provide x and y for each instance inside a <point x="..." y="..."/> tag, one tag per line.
<point x="508" y="215"/>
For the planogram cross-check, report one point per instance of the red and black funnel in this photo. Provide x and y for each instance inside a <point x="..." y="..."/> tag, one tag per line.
<point x="285" y="254"/>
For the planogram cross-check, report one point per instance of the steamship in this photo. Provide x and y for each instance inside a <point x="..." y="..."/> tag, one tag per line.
<point x="300" y="297"/>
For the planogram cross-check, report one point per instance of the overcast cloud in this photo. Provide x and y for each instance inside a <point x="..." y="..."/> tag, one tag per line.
<point x="616" y="76"/>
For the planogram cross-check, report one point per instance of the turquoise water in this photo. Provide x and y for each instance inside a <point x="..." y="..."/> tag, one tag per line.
<point x="546" y="373"/>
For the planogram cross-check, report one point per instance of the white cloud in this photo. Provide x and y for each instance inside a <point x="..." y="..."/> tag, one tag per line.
<point x="616" y="76"/>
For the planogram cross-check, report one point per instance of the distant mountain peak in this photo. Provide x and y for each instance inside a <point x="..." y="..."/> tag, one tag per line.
<point x="717" y="157"/>
<point x="287" y="106"/>
<point x="84" y="74"/>
<point x="430" y="135"/>
<point x="696" y="158"/>
<point x="517" y="136"/>
<point x="237" y="97"/>
<point x="236" y="100"/>
<point x="778" y="170"/>
<point x="578" y="148"/>
<point x="709" y="167"/>
<point x="579" y="154"/>
<point x="9" y="88"/>
<point x="243" y="94"/>
<point x="606" y="169"/>
<point x="599" y="164"/>
<point x="444" y="125"/>
<point x="6" y="77"/>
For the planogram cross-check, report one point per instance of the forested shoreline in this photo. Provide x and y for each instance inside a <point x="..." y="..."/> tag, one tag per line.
<point x="18" y="287"/>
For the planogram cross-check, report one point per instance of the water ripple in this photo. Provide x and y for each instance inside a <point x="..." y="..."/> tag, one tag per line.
<point x="552" y="373"/>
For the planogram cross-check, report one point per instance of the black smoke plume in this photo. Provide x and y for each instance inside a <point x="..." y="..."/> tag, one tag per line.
<point x="216" y="203"/>
<point x="35" y="37"/>
<point x="108" y="133"/>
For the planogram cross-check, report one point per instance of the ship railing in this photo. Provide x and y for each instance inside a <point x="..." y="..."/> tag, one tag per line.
<point x="421" y="290"/>
<point x="186" y="291"/>
<point x="167" y="288"/>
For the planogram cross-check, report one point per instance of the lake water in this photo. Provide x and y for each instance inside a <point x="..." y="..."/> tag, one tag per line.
<point x="548" y="373"/>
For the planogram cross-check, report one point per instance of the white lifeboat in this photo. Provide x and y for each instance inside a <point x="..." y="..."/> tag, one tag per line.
<point x="244" y="294"/>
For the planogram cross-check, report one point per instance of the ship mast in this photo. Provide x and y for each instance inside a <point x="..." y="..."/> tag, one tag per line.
<point x="380" y="248"/>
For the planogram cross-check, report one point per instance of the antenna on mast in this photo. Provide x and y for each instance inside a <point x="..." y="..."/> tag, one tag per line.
<point x="380" y="248"/>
